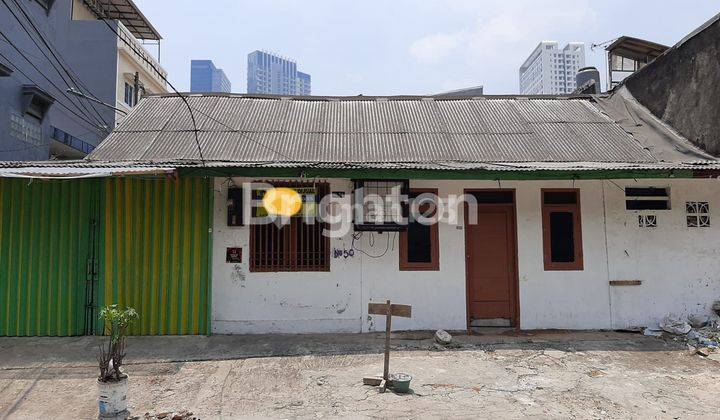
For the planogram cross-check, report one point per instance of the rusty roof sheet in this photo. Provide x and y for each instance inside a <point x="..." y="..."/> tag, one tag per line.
<point x="365" y="130"/>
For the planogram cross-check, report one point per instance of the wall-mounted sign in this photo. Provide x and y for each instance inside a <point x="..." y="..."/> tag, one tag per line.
<point x="233" y="255"/>
<point x="287" y="201"/>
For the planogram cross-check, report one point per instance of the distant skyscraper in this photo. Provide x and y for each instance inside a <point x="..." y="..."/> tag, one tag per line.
<point x="303" y="83"/>
<point x="205" y="77"/>
<point x="550" y="70"/>
<point x="272" y="74"/>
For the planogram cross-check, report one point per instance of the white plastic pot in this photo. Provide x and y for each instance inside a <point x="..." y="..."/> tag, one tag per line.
<point x="112" y="398"/>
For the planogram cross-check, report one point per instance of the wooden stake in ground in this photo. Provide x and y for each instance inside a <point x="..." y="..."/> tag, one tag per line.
<point x="389" y="310"/>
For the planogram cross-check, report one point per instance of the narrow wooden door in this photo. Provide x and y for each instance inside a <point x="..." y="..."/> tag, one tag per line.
<point x="491" y="266"/>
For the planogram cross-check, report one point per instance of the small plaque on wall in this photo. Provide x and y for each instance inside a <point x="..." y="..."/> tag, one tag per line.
<point x="233" y="255"/>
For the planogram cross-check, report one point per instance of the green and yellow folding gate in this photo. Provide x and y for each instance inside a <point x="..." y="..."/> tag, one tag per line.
<point x="68" y="248"/>
<point x="48" y="240"/>
<point x="156" y="252"/>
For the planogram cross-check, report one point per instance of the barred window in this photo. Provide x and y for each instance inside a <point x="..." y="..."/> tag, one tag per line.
<point x="380" y="204"/>
<point x="698" y="214"/>
<point x="297" y="245"/>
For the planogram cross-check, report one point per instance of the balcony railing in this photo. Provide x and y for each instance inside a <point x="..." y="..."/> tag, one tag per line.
<point x="140" y="54"/>
<point x="72" y="141"/>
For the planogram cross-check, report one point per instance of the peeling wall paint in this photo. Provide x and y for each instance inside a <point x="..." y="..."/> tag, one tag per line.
<point x="679" y="268"/>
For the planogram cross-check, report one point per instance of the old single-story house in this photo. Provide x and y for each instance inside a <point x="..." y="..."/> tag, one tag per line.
<point x="592" y="213"/>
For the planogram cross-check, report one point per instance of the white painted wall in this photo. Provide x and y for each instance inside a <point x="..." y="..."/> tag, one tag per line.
<point x="245" y="302"/>
<point x="678" y="266"/>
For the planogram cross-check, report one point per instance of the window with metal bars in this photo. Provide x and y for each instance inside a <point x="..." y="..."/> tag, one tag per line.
<point x="380" y="205"/>
<point x="298" y="244"/>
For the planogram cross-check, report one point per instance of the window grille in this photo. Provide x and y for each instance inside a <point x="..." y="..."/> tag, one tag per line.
<point x="698" y="214"/>
<point x="380" y="205"/>
<point x="298" y="244"/>
<point x="647" y="220"/>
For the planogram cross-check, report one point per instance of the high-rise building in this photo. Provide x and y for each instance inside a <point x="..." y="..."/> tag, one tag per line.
<point x="550" y="70"/>
<point x="272" y="74"/>
<point x="205" y="77"/>
<point x="303" y="84"/>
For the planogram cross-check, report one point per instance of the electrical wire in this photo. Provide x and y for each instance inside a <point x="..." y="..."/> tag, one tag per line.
<point x="242" y="133"/>
<point x="23" y="50"/>
<point x="358" y="235"/>
<point x="187" y="104"/>
<point x="82" y="104"/>
<point x="71" y="74"/>
<point x="77" y="115"/>
<point x="184" y="99"/>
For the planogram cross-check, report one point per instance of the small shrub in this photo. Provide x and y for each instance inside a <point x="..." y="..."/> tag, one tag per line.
<point x="116" y="321"/>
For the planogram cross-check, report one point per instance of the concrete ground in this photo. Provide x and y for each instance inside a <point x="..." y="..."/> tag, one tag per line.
<point x="549" y="374"/>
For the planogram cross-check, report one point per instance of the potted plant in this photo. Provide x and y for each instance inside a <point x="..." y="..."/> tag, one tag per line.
<point x="112" y="382"/>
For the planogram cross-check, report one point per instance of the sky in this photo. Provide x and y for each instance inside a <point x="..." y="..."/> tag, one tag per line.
<point x="391" y="47"/>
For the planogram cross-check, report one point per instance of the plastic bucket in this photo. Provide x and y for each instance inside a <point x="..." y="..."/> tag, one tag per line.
<point x="400" y="382"/>
<point x="112" y="398"/>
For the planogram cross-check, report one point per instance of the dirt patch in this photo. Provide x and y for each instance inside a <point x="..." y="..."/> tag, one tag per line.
<point x="637" y="377"/>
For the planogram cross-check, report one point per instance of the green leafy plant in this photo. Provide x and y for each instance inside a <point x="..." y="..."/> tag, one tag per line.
<point x="116" y="321"/>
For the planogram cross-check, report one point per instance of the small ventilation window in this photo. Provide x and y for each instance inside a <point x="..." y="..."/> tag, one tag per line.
<point x="647" y="198"/>
<point x="698" y="214"/>
<point x="36" y="102"/>
<point x="5" y="71"/>
<point x="647" y="220"/>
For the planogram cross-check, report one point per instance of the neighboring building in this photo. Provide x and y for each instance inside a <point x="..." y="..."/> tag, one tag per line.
<point x="682" y="86"/>
<point x="587" y="81"/>
<point x="589" y="213"/>
<point x="269" y="73"/>
<point x="38" y="118"/>
<point x="469" y="92"/>
<point x="550" y="70"/>
<point x="626" y="55"/>
<point x="205" y="77"/>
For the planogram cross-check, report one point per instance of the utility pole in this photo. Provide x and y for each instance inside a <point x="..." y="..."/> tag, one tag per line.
<point x="136" y="90"/>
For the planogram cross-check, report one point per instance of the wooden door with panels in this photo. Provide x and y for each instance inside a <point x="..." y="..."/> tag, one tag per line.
<point x="491" y="260"/>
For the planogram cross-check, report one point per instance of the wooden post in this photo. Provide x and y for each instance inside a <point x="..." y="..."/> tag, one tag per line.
<point x="388" y="321"/>
<point x="388" y="310"/>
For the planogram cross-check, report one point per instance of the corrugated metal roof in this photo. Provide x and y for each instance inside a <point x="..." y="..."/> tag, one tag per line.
<point x="69" y="170"/>
<point x="84" y="167"/>
<point x="409" y="130"/>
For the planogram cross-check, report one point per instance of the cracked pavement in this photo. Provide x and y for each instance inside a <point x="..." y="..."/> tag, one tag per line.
<point x="585" y="375"/>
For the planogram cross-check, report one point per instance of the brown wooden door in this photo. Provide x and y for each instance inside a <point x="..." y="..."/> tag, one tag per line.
<point x="491" y="265"/>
